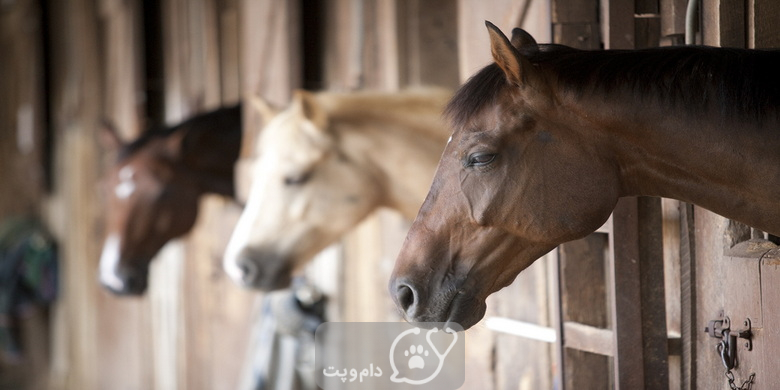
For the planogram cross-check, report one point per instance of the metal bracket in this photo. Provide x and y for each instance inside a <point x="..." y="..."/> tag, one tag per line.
<point x="727" y="347"/>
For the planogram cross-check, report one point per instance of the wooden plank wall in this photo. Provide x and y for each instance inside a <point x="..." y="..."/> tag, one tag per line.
<point x="190" y="330"/>
<point x="23" y="165"/>
<point x="727" y="23"/>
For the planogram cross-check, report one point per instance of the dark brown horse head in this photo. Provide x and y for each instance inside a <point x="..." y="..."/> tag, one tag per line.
<point x="152" y="191"/>
<point x="513" y="182"/>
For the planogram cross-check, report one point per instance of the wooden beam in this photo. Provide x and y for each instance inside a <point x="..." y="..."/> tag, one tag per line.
<point x="588" y="338"/>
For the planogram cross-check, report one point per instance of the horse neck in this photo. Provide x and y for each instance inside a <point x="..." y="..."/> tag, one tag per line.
<point x="401" y="152"/>
<point x="728" y="166"/>
<point x="211" y="155"/>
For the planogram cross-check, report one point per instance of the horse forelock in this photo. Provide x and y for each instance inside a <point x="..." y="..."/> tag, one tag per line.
<point x="480" y="91"/>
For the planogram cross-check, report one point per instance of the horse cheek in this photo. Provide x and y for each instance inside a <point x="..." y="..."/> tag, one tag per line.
<point x="474" y="195"/>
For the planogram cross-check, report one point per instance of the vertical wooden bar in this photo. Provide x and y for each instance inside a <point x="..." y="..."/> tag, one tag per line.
<point x="428" y="43"/>
<point x="673" y="21"/>
<point x="655" y="350"/>
<point x="724" y="23"/>
<point x="21" y="114"/>
<point x="76" y="100"/>
<point x="23" y="162"/>
<point x="626" y="308"/>
<point x="638" y="307"/>
<point x="583" y="300"/>
<point x="688" y="307"/>
<point x="617" y="24"/>
<point x="766" y="18"/>
<point x="576" y="23"/>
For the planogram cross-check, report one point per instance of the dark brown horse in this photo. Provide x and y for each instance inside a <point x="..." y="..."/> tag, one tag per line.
<point x="548" y="138"/>
<point x="154" y="187"/>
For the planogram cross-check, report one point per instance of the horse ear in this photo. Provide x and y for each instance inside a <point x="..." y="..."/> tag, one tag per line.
<point x="311" y="109"/>
<point x="506" y="56"/>
<point x="266" y="111"/>
<point x="521" y="39"/>
<point x="109" y="136"/>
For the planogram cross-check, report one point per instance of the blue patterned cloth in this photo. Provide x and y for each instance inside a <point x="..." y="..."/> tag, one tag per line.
<point x="28" y="276"/>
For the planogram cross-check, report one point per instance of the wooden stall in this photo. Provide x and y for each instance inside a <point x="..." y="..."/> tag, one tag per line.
<point x="594" y="313"/>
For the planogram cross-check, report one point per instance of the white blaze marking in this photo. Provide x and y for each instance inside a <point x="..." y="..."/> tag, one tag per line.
<point x="126" y="185"/>
<point x="109" y="262"/>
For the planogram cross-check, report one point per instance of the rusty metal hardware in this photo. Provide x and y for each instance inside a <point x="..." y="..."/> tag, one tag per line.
<point x="727" y="346"/>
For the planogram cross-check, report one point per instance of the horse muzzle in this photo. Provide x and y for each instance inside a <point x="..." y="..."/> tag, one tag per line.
<point x="444" y="304"/>
<point x="125" y="284"/>
<point x="260" y="271"/>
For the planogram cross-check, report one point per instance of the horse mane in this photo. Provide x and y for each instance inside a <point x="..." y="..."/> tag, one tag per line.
<point x="739" y="83"/>
<point x="417" y="108"/>
<point x="160" y="132"/>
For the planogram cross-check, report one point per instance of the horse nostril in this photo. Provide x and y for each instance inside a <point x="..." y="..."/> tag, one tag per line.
<point x="135" y="284"/>
<point x="406" y="298"/>
<point x="249" y="270"/>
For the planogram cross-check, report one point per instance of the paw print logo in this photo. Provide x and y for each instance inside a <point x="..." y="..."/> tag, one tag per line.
<point x="416" y="361"/>
<point x="415" y="355"/>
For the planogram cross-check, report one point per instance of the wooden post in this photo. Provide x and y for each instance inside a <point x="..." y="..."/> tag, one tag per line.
<point x="638" y="308"/>
<point x="583" y="300"/>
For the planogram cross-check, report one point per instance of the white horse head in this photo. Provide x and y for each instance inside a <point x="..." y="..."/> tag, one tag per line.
<point x="323" y="165"/>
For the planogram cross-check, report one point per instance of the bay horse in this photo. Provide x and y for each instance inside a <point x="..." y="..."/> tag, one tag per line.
<point x="546" y="139"/>
<point x="153" y="190"/>
<point x="324" y="164"/>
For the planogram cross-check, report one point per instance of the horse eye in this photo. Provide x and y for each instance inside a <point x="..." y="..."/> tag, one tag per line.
<point x="481" y="159"/>
<point x="296" y="180"/>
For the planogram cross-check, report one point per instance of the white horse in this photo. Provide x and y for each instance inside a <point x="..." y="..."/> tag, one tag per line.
<point x="324" y="164"/>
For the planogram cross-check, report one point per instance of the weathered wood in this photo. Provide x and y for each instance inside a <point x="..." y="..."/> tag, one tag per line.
<point x="724" y="23"/>
<point x="765" y="19"/>
<point x="673" y="18"/>
<point x="428" y="46"/>
<point x="22" y="110"/>
<point x="671" y="258"/>
<point x="770" y="298"/>
<point x="588" y="338"/>
<point x="574" y="11"/>
<point x="688" y="307"/>
<point x="23" y="172"/>
<point x="647" y="31"/>
<point x="641" y="347"/>
<point x="617" y="24"/>
<point x="583" y="300"/>
<point x="76" y="99"/>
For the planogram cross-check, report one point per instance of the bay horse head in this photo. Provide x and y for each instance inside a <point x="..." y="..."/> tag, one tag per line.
<point x="546" y="140"/>
<point x="323" y="165"/>
<point x="511" y="185"/>
<point x="153" y="188"/>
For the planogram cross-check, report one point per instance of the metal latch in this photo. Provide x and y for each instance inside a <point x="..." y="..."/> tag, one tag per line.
<point x="727" y="347"/>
